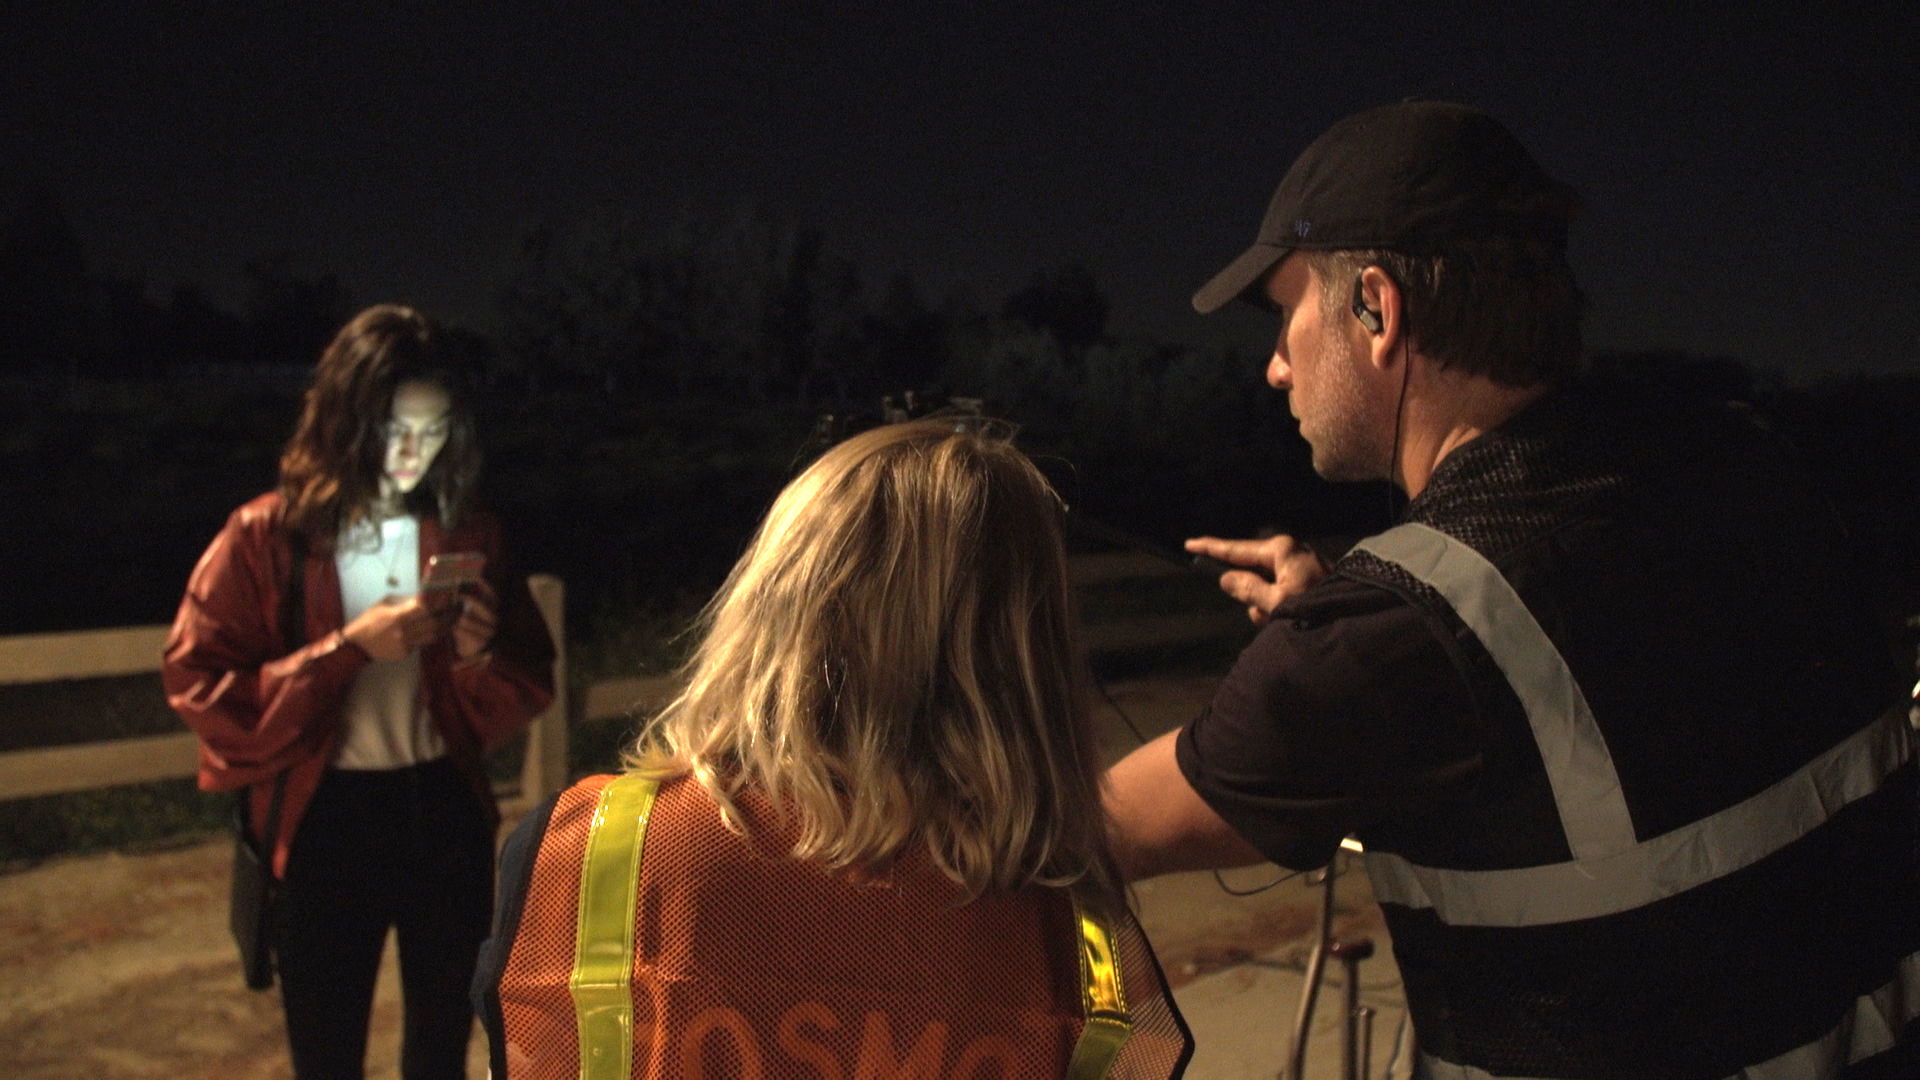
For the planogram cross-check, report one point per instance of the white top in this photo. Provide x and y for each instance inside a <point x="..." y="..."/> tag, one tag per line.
<point x="384" y="722"/>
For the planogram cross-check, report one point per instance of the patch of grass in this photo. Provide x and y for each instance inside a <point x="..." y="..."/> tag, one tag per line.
<point x="67" y="711"/>
<point x="129" y="817"/>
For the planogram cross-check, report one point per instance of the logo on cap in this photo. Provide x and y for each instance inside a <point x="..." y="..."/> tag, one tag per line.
<point x="1302" y="227"/>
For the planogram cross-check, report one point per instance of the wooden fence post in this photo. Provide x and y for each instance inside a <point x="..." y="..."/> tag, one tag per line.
<point x="545" y="768"/>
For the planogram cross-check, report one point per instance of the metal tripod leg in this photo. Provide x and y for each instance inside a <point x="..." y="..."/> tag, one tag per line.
<point x="1316" y="967"/>
<point x="1356" y="1049"/>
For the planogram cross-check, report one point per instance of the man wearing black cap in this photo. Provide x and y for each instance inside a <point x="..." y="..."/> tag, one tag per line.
<point x="1627" y="754"/>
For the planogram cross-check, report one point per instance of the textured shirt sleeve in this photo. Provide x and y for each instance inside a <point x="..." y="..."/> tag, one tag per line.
<point x="1346" y="709"/>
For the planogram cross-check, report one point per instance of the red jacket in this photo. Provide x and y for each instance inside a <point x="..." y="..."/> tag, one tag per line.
<point x="259" y="709"/>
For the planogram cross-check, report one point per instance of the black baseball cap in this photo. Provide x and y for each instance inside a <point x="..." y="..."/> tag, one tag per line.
<point x="1414" y="177"/>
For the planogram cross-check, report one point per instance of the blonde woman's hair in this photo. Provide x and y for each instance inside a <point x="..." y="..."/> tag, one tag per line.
<point x="894" y="662"/>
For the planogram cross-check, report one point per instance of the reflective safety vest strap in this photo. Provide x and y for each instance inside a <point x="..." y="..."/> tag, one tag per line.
<point x="1586" y="789"/>
<point x="1103" y="996"/>
<point x="1684" y="858"/>
<point x="601" y="983"/>
<point x="602" y="979"/>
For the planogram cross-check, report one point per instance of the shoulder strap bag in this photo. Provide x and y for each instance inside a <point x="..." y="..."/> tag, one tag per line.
<point x="250" y="901"/>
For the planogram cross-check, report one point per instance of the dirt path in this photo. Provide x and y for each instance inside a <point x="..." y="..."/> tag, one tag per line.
<point x="118" y="967"/>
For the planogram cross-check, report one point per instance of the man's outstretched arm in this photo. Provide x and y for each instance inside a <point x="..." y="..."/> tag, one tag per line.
<point x="1158" y="824"/>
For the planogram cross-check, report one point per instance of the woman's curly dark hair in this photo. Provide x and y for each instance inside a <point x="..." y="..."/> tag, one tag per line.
<point x="330" y="470"/>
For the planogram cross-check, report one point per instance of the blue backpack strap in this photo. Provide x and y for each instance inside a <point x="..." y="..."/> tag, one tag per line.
<point x="516" y="877"/>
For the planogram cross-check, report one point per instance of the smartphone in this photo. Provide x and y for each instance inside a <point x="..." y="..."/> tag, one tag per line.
<point x="448" y="571"/>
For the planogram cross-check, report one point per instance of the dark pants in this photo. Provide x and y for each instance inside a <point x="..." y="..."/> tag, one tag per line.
<point x="404" y="848"/>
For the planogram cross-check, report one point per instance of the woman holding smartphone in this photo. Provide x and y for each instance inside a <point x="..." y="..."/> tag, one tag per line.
<point x="355" y="712"/>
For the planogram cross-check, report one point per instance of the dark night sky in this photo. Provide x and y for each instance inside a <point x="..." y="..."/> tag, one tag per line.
<point x="1750" y="177"/>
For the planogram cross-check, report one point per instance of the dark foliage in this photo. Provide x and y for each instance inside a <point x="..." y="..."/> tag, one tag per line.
<point x="650" y="390"/>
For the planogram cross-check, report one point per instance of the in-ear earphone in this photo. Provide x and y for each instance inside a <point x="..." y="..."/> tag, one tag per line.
<point x="1368" y="317"/>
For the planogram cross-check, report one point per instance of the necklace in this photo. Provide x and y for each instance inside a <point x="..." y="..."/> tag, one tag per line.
<point x="393" y="563"/>
<point x="376" y="542"/>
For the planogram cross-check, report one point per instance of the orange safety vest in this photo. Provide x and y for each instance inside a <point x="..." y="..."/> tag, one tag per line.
<point x="638" y="937"/>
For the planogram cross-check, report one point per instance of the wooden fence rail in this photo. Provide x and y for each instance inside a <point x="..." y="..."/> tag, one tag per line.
<point x="135" y="650"/>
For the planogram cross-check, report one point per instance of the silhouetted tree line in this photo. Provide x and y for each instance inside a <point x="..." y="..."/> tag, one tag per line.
<point x="649" y="389"/>
<point x="751" y="331"/>
<point x="57" y="317"/>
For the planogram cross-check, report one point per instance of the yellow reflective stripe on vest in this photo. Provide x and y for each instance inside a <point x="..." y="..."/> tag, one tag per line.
<point x="1586" y="789"/>
<point x="602" y="979"/>
<point x="1103" y="996"/>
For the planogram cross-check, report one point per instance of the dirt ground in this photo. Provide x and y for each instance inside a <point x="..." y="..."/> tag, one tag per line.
<point x="118" y="967"/>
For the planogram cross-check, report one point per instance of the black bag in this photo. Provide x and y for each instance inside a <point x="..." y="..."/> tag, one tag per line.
<point x="250" y="900"/>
